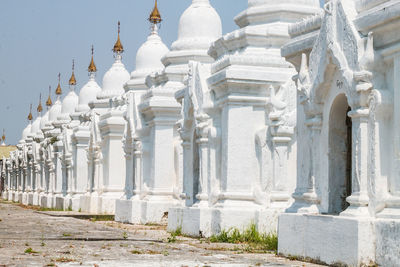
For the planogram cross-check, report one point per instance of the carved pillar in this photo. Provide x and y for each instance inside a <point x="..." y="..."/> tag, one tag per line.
<point x="202" y="142"/>
<point x="97" y="187"/>
<point x="129" y="166"/>
<point x="138" y="176"/>
<point x="282" y="137"/>
<point x="24" y="178"/>
<point x="37" y="177"/>
<point x="359" y="172"/>
<point x="58" y="171"/>
<point x="187" y="168"/>
<point x="395" y="182"/>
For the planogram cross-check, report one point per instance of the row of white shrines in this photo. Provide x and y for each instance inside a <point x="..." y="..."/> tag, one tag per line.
<point x="291" y="122"/>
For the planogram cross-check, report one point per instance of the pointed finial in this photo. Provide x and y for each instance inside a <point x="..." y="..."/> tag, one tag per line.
<point x="30" y="117"/>
<point x="118" y="48"/>
<point x="4" y="135"/>
<point x="49" y="102"/>
<point x="92" y="67"/>
<point x="40" y="108"/>
<point x="155" y="16"/>
<point x="72" y="80"/>
<point x="58" y="90"/>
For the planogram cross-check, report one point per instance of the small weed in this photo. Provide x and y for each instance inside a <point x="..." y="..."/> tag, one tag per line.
<point x="171" y="239"/>
<point x="80" y="210"/>
<point x="125" y="235"/>
<point x="177" y="232"/>
<point x="152" y="224"/>
<point x="305" y="259"/>
<point x="50" y="264"/>
<point x="102" y="218"/>
<point x="123" y="245"/>
<point x="174" y="234"/>
<point x="26" y="244"/>
<point x="42" y="244"/>
<point x="46" y="209"/>
<point x="66" y="234"/>
<point x="64" y="259"/>
<point x="30" y="251"/>
<point x="136" y="251"/>
<point x="152" y="252"/>
<point x="165" y="253"/>
<point x="69" y="209"/>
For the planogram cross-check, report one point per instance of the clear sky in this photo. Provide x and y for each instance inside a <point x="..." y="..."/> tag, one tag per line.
<point x="39" y="39"/>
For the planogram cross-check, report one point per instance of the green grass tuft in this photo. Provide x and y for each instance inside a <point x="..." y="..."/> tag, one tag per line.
<point x="30" y="251"/>
<point x="251" y="236"/>
<point x="174" y="234"/>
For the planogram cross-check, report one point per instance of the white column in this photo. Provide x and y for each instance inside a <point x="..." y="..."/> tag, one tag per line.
<point x="359" y="198"/>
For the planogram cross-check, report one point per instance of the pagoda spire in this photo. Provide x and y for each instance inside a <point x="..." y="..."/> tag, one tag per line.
<point x="3" y="138"/>
<point x="72" y="80"/>
<point x="49" y="102"/>
<point x="58" y="90"/>
<point x="155" y="18"/>
<point x="39" y="107"/>
<point x="30" y="117"/>
<point x="92" y="69"/>
<point x="118" y="47"/>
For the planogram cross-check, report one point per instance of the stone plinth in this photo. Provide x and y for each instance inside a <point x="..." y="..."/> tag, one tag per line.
<point x="331" y="239"/>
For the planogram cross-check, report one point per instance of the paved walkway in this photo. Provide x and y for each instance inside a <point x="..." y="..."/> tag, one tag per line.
<point x="32" y="238"/>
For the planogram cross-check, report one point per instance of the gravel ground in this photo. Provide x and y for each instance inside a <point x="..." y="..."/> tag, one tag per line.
<point x="34" y="238"/>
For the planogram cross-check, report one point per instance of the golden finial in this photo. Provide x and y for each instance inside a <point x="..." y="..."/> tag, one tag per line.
<point x="30" y="117"/>
<point x="40" y="108"/>
<point x="72" y="80"/>
<point x="58" y="90"/>
<point x="155" y="16"/>
<point x="118" y="48"/>
<point x="49" y="102"/>
<point x="4" y="136"/>
<point x="92" y="66"/>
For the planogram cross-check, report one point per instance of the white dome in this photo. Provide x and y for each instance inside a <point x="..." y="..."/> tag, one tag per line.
<point x="55" y="110"/>
<point x="44" y="120"/>
<point x="36" y="125"/>
<point x="69" y="103"/>
<point x="114" y="80"/>
<point x="148" y="57"/>
<point x="26" y="131"/>
<point x="199" y="26"/>
<point x="88" y="94"/>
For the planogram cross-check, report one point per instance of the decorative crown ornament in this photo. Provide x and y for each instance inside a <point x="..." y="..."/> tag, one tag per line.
<point x="118" y="47"/>
<point x="58" y="90"/>
<point x="155" y="16"/>
<point x="72" y="80"/>
<point x="92" y="67"/>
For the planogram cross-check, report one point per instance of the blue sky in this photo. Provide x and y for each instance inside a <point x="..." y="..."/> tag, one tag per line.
<point x="39" y="39"/>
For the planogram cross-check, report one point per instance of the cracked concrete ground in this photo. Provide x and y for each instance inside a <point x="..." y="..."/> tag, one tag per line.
<point x="32" y="238"/>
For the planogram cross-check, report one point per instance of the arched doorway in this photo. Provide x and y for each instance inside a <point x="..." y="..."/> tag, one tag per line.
<point x="340" y="128"/>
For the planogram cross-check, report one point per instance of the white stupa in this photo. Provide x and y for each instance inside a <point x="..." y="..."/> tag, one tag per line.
<point x="199" y="26"/>
<point x="90" y="90"/>
<point x="36" y="123"/>
<point x="70" y="101"/>
<point x="148" y="60"/>
<point x="55" y="110"/>
<point x="116" y="76"/>
<point x="26" y="132"/>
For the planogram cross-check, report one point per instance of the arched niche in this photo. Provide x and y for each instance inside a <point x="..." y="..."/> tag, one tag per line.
<point x="339" y="141"/>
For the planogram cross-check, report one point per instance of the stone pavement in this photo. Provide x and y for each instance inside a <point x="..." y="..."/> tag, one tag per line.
<point x="32" y="238"/>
